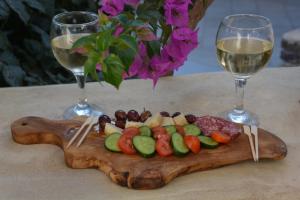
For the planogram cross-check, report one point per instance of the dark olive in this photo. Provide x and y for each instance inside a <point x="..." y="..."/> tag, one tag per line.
<point x="103" y="119"/>
<point x="133" y="115"/>
<point x="164" y="114"/>
<point x="145" y="115"/>
<point x="120" y="115"/>
<point x="176" y="114"/>
<point x="120" y="124"/>
<point x="190" y="118"/>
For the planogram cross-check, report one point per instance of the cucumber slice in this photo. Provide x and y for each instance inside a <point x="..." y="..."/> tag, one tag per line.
<point x="145" y="131"/>
<point x="191" y="129"/>
<point x="170" y="129"/>
<point x="179" y="146"/>
<point x="111" y="142"/>
<point x="144" y="145"/>
<point x="207" y="142"/>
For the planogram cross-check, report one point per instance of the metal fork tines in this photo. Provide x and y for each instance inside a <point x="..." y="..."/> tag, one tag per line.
<point x="90" y="122"/>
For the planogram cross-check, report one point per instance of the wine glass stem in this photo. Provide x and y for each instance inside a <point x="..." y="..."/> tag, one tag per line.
<point x="80" y="78"/>
<point x="239" y="92"/>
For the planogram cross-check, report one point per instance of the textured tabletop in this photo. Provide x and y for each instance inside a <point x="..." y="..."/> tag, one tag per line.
<point x="39" y="172"/>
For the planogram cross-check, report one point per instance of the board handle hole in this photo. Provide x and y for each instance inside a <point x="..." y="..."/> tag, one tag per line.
<point x="24" y="124"/>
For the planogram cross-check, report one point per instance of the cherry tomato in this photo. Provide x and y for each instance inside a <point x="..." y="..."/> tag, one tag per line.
<point x="163" y="147"/>
<point x="180" y="130"/>
<point x="125" y="143"/>
<point x="131" y="131"/>
<point x="192" y="142"/>
<point x="220" y="137"/>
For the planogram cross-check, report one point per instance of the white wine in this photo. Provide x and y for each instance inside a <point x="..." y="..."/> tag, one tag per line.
<point x="243" y="56"/>
<point x="72" y="60"/>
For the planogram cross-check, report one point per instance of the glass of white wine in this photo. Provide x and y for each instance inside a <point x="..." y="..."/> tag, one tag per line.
<point x="244" y="46"/>
<point x="66" y="28"/>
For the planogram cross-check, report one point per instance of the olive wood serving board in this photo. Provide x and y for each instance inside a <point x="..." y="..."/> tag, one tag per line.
<point x="134" y="171"/>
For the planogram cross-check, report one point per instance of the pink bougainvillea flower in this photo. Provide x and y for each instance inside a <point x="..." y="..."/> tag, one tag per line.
<point x="118" y="31"/>
<point x="175" y="62"/>
<point x="176" y="13"/>
<point x="112" y="7"/>
<point x="144" y="33"/>
<point x="159" y="66"/>
<point x="179" y="1"/>
<point x="133" y="3"/>
<point x="183" y="41"/>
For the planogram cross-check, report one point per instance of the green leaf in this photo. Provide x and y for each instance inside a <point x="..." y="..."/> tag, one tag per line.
<point x="104" y="40"/>
<point x="129" y="42"/>
<point x="126" y="49"/>
<point x="136" y="23"/>
<point x="13" y="75"/>
<point x="153" y="48"/>
<point x="20" y="9"/>
<point x="85" y="41"/>
<point x="36" y="5"/>
<point x="113" y="70"/>
<point x="90" y="65"/>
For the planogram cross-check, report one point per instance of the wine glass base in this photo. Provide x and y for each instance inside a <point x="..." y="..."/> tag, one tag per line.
<point x="245" y="117"/>
<point x="80" y="111"/>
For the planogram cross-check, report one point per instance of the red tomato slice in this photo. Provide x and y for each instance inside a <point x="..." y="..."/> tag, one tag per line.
<point x="180" y="130"/>
<point x="193" y="143"/>
<point x="160" y="133"/>
<point x="125" y="143"/>
<point x="131" y="131"/>
<point x="220" y="137"/>
<point x="163" y="147"/>
<point x="162" y="136"/>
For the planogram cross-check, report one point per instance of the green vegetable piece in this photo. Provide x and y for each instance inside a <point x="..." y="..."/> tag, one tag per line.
<point x="170" y="129"/>
<point x="144" y="145"/>
<point x="179" y="146"/>
<point x="191" y="129"/>
<point x="207" y="142"/>
<point x="111" y="142"/>
<point x="145" y="131"/>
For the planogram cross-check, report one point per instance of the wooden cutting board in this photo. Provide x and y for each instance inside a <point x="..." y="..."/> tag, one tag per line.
<point x="134" y="171"/>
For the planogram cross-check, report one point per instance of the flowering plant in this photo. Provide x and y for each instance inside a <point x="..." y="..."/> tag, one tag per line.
<point x="142" y="38"/>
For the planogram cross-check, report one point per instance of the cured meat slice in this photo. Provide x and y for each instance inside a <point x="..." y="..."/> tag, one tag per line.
<point x="208" y="124"/>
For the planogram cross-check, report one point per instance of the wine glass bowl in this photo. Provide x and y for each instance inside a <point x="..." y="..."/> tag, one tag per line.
<point x="66" y="29"/>
<point x="244" y="46"/>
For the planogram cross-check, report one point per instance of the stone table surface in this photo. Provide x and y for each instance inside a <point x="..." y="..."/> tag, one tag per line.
<point x="39" y="172"/>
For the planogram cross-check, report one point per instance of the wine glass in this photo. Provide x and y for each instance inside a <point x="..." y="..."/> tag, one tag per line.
<point x="66" y="28"/>
<point x="244" y="46"/>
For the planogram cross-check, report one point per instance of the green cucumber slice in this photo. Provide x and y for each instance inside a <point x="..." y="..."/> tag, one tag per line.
<point x="111" y="142"/>
<point x="179" y="146"/>
<point x="208" y="142"/>
<point x="191" y="129"/>
<point x="145" y="131"/>
<point x="144" y="145"/>
<point x="170" y="129"/>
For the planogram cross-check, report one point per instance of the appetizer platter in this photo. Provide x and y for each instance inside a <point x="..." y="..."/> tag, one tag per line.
<point x="145" y="150"/>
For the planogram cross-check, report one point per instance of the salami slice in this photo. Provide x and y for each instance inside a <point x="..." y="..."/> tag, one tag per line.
<point x="208" y="124"/>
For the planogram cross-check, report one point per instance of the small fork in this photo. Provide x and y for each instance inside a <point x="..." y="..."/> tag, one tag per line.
<point x="90" y="121"/>
<point x="247" y="131"/>
<point x="254" y="132"/>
